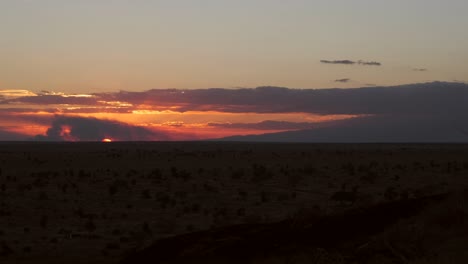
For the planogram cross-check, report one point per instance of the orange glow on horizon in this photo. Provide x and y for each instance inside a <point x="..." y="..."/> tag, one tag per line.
<point x="189" y="125"/>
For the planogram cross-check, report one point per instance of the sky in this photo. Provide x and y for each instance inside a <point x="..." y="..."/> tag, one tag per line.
<point x="94" y="50"/>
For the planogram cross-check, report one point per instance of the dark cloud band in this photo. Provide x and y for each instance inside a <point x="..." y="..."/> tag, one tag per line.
<point x="345" y="80"/>
<point x="350" y="62"/>
<point x="426" y="98"/>
<point x="266" y="125"/>
<point x="346" y="62"/>
<point x="67" y="128"/>
<point x="369" y="63"/>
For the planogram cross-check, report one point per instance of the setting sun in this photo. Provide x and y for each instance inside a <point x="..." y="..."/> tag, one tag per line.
<point x="107" y="140"/>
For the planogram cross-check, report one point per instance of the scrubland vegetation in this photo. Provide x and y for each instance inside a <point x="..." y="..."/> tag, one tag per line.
<point x="99" y="203"/>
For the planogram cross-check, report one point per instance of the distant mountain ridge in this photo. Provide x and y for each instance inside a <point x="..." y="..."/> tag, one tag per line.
<point x="421" y="113"/>
<point x="364" y="131"/>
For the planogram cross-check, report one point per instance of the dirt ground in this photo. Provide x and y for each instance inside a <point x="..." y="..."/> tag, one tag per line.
<point x="95" y="202"/>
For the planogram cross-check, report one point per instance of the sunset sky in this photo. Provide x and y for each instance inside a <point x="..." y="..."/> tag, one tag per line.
<point x="113" y="65"/>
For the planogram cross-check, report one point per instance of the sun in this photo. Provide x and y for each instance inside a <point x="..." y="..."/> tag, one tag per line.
<point x="107" y="140"/>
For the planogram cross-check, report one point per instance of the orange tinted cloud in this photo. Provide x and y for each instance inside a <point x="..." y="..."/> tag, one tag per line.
<point x="208" y="113"/>
<point x="73" y="128"/>
<point x="405" y="99"/>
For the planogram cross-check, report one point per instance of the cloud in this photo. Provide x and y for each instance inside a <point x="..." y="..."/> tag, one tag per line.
<point x="426" y="98"/>
<point x="345" y="80"/>
<point x="346" y="62"/>
<point x="266" y="125"/>
<point x="375" y="129"/>
<point x="55" y="99"/>
<point x="369" y="63"/>
<point x="47" y="112"/>
<point x="66" y="128"/>
<point x="420" y="69"/>
<point x="350" y="62"/>
<point x="10" y="94"/>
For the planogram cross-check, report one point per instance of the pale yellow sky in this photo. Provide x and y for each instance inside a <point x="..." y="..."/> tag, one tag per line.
<point x="96" y="46"/>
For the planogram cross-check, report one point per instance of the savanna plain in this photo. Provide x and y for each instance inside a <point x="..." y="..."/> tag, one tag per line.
<point x="213" y="202"/>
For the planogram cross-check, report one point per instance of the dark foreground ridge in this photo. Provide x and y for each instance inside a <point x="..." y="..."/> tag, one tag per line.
<point x="346" y="233"/>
